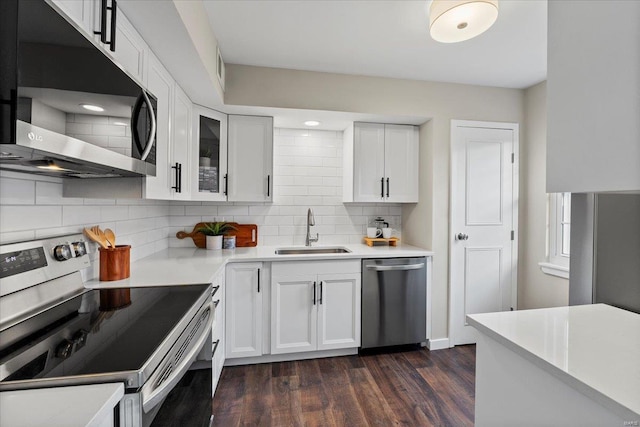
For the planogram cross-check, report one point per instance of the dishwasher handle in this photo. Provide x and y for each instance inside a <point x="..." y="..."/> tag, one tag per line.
<point x="396" y="267"/>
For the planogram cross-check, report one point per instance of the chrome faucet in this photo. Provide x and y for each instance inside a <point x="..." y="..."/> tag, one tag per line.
<point x="310" y="221"/>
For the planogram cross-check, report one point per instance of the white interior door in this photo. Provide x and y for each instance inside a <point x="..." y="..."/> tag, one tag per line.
<point x="483" y="222"/>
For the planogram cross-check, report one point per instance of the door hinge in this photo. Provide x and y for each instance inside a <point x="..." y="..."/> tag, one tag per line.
<point x="513" y="235"/>
<point x="513" y="157"/>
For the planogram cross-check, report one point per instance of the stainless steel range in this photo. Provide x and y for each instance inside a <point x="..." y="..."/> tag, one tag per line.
<point x="54" y="332"/>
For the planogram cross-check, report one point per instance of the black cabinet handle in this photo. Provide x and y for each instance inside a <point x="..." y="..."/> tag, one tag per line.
<point x="215" y="289"/>
<point x="215" y="346"/>
<point x="387" y="187"/>
<point x="382" y="187"/>
<point x="320" y="300"/>
<point x="104" y="9"/>
<point x="226" y="184"/>
<point x="314" y="293"/>
<point x="177" y="168"/>
<point x="268" y="185"/>
<point x="114" y="13"/>
<point x="258" y="280"/>
<point x="178" y="186"/>
<point x="216" y="302"/>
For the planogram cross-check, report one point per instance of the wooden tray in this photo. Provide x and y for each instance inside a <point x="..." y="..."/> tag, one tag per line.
<point x="392" y="241"/>
<point x="246" y="235"/>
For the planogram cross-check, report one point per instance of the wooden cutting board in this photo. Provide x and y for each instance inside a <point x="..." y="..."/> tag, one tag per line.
<point x="246" y="235"/>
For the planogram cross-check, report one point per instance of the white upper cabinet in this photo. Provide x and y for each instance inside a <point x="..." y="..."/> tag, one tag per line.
<point x="593" y="96"/>
<point x="209" y="155"/>
<point x="80" y="11"/>
<point x="180" y="146"/>
<point x="129" y="49"/>
<point x="250" y="175"/>
<point x="381" y="163"/>
<point x="161" y="85"/>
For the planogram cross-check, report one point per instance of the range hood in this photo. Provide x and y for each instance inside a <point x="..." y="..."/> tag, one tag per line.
<point x="43" y="152"/>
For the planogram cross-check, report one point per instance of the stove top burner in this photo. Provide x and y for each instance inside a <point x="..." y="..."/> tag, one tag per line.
<point x="93" y="340"/>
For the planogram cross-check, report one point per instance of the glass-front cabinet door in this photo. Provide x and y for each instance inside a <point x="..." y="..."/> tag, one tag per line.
<point x="209" y="155"/>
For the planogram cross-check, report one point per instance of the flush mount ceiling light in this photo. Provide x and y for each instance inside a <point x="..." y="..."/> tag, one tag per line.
<point x="311" y="123"/>
<point x="452" y="21"/>
<point x="92" y="107"/>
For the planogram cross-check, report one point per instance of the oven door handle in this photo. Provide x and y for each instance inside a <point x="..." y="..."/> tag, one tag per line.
<point x="157" y="395"/>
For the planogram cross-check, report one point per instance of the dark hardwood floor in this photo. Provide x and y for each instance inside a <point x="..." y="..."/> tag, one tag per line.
<point x="410" y="388"/>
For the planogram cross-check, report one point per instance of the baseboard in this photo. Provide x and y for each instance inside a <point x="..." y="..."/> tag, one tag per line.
<point x="439" y="344"/>
<point x="269" y="358"/>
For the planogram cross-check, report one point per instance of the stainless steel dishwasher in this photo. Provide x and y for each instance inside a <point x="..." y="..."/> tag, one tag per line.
<point x="394" y="301"/>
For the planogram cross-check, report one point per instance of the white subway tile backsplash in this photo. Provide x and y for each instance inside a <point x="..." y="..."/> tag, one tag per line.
<point x="17" y="191"/>
<point x="29" y="217"/>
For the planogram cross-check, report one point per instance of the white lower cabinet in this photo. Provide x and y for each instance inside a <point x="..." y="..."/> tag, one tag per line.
<point x="243" y="318"/>
<point x="217" y="333"/>
<point x="313" y="311"/>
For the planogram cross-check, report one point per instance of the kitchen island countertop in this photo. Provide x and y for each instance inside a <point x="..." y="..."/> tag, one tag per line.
<point x="593" y="349"/>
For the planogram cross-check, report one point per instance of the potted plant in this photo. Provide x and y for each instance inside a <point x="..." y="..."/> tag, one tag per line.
<point x="205" y="157"/>
<point x="214" y="232"/>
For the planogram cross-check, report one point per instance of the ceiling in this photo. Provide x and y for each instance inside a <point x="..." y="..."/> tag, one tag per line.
<point x="381" y="38"/>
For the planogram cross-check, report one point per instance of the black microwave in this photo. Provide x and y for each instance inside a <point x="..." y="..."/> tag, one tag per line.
<point x="66" y="108"/>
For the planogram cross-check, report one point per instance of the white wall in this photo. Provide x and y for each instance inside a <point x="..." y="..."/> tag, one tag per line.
<point x="425" y="224"/>
<point x="535" y="288"/>
<point x="307" y="174"/>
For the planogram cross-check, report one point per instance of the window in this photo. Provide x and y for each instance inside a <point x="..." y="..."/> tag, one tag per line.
<point x="559" y="230"/>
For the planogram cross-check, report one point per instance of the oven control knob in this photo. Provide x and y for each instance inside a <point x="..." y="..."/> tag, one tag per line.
<point x="79" y="248"/>
<point x="64" y="349"/>
<point x="62" y="252"/>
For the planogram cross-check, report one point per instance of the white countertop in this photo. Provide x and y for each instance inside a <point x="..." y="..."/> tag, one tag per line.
<point x="180" y="266"/>
<point x="85" y="405"/>
<point x="593" y="348"/>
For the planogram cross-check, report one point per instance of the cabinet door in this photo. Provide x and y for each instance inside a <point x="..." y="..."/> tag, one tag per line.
<point x="338" y="311"/>
<point x="160" y="84"/>
<point x="80" y="11"/>
<point x="181" y="146"/>
<point x="293" y="314"/>
<point x="401" y="163"/>
<point x="368" y="162"/>
<point x="250" y="159"/>
<point x="209" y="155"/>
<point x="243" y="310"/>
<point x="131" y="50"/>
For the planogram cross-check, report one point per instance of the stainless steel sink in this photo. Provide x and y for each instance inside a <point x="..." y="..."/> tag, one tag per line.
<point x="312" y="250"/>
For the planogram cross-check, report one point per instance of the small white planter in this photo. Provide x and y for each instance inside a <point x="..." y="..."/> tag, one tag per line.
<point x="214" y="242"/>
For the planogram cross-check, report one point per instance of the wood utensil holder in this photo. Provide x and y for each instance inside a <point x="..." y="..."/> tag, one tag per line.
<point x="115" y="263"/>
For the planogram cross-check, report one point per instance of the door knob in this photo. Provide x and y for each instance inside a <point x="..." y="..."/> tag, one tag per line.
<point x="462" y="236"/>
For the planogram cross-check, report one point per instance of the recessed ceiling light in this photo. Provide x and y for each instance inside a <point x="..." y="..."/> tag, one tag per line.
<point x="92" y="107"/>
<point x="311" y="123"/>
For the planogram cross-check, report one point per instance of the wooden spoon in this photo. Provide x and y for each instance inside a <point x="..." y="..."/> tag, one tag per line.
<point x="110" y="236"/>
<point x="90" y="234"/>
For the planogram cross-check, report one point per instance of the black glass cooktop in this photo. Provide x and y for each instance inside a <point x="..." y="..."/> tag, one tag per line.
<point x="100" y="332"/>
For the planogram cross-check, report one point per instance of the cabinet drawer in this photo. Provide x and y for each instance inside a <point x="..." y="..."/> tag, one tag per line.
<point x="299" y="268"/>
